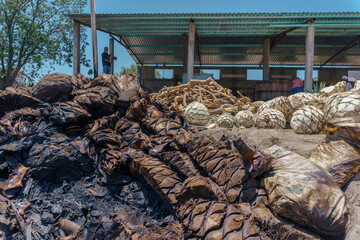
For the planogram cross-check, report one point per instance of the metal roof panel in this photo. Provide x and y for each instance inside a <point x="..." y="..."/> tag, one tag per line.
<point x="232" y="38"/>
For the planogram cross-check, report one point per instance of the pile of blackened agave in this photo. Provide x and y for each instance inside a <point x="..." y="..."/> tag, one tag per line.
<point x="77" y="161"/>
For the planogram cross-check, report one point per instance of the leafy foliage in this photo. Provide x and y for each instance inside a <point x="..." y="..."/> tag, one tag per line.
<point x="317" y="87"/>
<point x="128" y="70"/>
<point x="34" y="33"/>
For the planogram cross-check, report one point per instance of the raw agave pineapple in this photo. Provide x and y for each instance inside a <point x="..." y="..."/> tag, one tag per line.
<point x="279" y="103"/>
<point x="346" y="104"/>
<point x="299" y="100"/>
<point x="244" y="118"/>
<point x="308" y="120"/>
<point x="337" y="88"/>
<point x="318" y="101"/>
<point x="225" y="120"/>
<point x="248" y="107"/>
<point x="197" y="114"/>
<point x="257" y="105"/>
<point x="356" y="87"/>
<point x="261" y="108"/>
<point x="270" y="118"/>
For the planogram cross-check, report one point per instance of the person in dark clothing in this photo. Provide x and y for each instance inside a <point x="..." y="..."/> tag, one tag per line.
<point x="106" y="61"/>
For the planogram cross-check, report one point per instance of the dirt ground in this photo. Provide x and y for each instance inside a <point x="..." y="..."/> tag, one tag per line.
<point x="260" y="139"/>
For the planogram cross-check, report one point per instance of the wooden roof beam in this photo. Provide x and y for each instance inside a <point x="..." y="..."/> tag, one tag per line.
<point x="121" y="41"/>
<point x="198" y="46"/>
<point x="279" y="37"/>
<point x="352" y="44"/>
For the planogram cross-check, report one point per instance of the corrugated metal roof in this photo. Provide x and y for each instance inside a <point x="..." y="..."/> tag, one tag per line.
<point x="232" y="38"/>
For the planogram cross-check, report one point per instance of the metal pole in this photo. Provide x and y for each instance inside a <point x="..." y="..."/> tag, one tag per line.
<point x="191" y="45"/>
<point x="76" y="48"/>
<point x="266" y="69"/>
<point x="309" y="58"/>
<point x="111" y="48"/>
<point x="94" y="37"/>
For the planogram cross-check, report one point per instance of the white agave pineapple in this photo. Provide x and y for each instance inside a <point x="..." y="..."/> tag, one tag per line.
<point x="225" y="120"/>
<point x="299" y="100"/>
<point x="340" y="105"/>
<point x="337" y="88"/>
<point x="244" y="118"/>
<point x="270" y="118"/>
<point x="197" y="114"/>
<point x="248" y="107"/>
<point x="279" y="103"/>
<point x="318" y="101"/>
<point x="356" y="87"/>
<point x="257" y="105"/>
<point x="262" y="107"/>
<point x="308" y="120"/>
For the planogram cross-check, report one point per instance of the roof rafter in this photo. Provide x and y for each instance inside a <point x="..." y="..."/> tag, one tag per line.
<point x="121" y="41"/>
<point x="352" y="44"/>
<point x="279" y="37"/>
<point x="197" y="45"/>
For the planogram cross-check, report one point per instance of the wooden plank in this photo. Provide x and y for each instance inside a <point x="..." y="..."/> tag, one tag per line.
<point x="191" y="46"/>
<point x="94" y="38"/>
<point x="282" y="76"/>
<point x="76" y="48"/>
<point x="111" y="48"/>
<point x="185" y="50"/>
<point x="229" y="75"/>
<point x="198" y="46"/>
<point x="266" y="59"/>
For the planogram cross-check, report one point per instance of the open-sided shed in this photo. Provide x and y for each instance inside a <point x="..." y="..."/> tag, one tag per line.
<point x="236" y="39"/>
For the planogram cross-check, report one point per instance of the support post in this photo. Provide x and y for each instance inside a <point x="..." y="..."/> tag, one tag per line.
<point x="111" y="48"/>
<point x="266" y="57"/>
<point x="309" y="58"/>
<point x="138" y="73"/>
<point x="76" y="48"/>
<point x="191" y="45"/>
<point x="94" y="38"/>
<point x="185" y="50"/>
<point x="198" y="46"/>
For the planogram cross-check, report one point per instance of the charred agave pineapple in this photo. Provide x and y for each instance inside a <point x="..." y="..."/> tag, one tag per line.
<point x="205" y="183"/>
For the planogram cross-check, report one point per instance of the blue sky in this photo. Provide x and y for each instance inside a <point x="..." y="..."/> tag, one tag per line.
<point x="199" y="6"/>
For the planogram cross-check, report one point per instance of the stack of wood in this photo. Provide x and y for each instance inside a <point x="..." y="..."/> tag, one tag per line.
<point x="215" y="97"/>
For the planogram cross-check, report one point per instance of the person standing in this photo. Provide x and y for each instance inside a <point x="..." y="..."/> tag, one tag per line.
<point x="348" y="83"/>
<point x="106" y="61"/>
<point x="297" y="85"/>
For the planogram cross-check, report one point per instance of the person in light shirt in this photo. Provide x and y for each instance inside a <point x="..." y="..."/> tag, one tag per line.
<point x="297" y="85"/>
<point x="349" y="82"/>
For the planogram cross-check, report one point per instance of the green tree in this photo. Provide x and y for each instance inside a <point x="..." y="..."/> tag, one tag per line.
<point x="34" y="33"/>
<point x="128" y="70"/>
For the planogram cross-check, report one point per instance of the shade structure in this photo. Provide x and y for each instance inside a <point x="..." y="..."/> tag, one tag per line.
<point x="235" y="38"/>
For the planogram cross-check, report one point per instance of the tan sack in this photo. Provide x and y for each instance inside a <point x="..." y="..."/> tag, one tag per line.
<point x="340" y="159"/>
<point x="344" y="129"/>
<point x="304" y="193"/>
